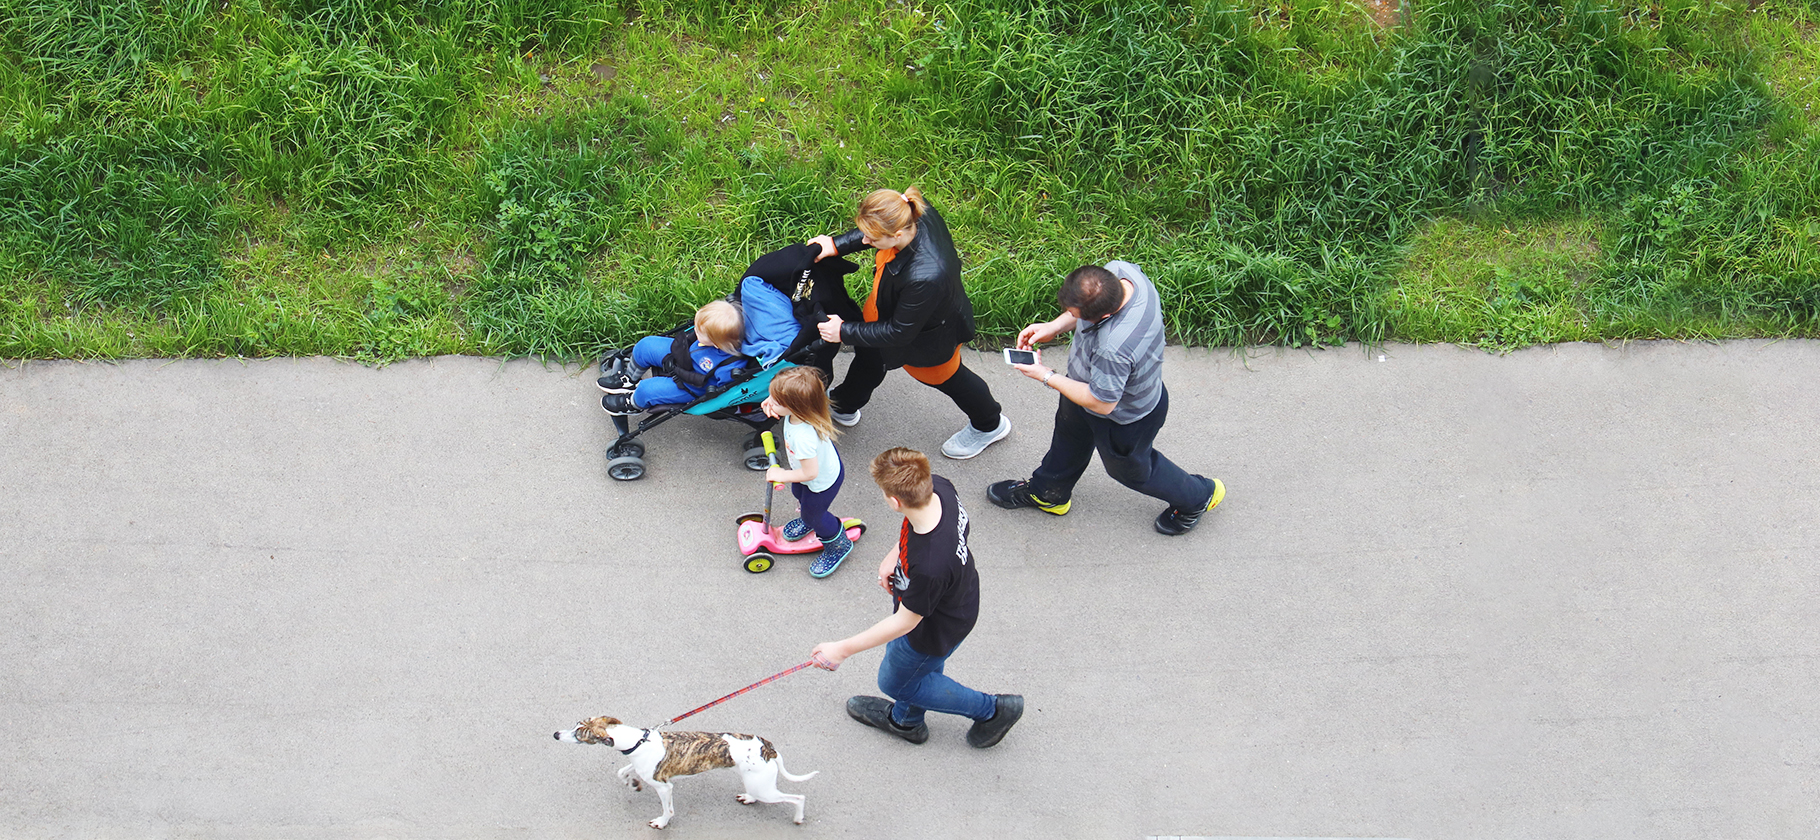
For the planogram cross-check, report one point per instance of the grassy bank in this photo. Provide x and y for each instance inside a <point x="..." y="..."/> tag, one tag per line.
<point x="387" y="178"/>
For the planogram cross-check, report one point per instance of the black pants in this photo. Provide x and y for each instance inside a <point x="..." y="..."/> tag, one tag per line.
<point x="1126" y="452"/>
<point x="822" y="359"/>
<point x="970" y="393"/>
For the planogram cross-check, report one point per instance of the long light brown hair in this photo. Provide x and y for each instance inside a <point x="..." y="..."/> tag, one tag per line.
<point x="883" y="213"/>
<point x="801" y="390"/>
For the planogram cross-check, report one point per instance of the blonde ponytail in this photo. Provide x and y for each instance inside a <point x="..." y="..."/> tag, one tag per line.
<point x="884" y="213"/>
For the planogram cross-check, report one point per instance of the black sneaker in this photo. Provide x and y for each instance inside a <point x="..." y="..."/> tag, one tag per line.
<point x="1012" y="494"/>
<point x="616" y="382"/>
<point x="876" y="713"/>
<point x="620" y="405"/>
<point x="1176" y="522"/>
<point x="988" y="732"/>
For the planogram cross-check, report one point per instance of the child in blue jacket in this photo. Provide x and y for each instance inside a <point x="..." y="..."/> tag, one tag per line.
<point x="686" y="366"/>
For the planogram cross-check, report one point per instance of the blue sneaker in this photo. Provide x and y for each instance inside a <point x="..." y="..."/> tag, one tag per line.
<point x="795" y="530"/>
<point x="833" y="551"/>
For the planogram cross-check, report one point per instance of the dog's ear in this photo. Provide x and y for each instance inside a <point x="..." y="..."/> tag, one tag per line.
<point x="598" y="728"/>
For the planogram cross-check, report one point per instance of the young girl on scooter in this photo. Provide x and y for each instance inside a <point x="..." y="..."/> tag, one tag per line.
<point x="800" y="398"/>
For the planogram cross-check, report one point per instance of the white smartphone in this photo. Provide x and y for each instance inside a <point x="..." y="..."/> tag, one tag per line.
<point x="1014" y="356"/>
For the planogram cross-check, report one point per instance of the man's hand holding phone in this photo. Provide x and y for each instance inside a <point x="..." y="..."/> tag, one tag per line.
<point x="1027" y="362"/>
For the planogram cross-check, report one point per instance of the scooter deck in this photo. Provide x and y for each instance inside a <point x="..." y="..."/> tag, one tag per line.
<point x="756" y="536"/>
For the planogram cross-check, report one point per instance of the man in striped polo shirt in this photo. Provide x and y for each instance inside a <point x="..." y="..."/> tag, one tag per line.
<point x="1112" y="400"/>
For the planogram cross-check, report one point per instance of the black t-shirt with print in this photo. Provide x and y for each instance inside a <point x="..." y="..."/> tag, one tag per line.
<point x="936" y="577"/>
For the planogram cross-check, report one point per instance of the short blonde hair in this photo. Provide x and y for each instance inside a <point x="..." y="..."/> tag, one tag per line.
<point x="883" y="213"/>
<point x="721" y="324"/>
<point x="904" y="475"/>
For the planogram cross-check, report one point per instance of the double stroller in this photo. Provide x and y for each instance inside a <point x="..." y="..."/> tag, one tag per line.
<point x="782" y="297"/>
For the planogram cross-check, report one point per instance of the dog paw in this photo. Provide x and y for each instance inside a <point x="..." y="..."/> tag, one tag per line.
<point x="636" y="786"/>
<point x="660" y="822"/>
<point x="745" y="799"/>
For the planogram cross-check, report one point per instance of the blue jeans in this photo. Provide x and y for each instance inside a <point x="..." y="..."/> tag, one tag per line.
<point x="915" y="680"/>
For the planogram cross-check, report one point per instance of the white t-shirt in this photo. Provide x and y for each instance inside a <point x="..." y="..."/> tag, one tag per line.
<point x="802" y="441"/>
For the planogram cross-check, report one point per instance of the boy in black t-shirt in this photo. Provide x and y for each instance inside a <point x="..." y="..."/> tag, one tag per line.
<point x="936" y="593"/>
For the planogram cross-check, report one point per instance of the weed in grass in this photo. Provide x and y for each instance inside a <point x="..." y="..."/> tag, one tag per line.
<point x="555" y="194"/>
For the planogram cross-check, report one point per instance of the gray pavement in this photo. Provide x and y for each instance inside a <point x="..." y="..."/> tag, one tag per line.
<point x="1567" y="592"/>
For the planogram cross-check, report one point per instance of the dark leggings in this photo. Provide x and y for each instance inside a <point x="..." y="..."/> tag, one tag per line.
<point x="969" y="392"/>
<point x="815" y="506"/>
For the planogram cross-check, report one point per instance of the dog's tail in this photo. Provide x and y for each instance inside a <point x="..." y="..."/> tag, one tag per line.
<point x="786" y="774"/>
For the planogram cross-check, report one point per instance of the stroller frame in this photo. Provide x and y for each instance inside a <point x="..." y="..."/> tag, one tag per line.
<point x="626" y="455"/>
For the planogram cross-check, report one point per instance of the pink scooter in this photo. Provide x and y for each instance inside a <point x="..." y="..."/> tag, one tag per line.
<point x="759" y="542"/>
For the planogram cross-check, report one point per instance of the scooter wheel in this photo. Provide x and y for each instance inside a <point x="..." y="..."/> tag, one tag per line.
<point x="626" y="468"/>
<point x="757" y="460"/>
<point x="754" y="516"/>
<point x="758" y="563"/>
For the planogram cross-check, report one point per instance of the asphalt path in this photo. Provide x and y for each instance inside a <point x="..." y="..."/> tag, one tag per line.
<point x="1565" y="592"/>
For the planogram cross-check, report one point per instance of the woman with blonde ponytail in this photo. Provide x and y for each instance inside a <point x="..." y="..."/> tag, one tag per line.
<point x="916" y="317"/>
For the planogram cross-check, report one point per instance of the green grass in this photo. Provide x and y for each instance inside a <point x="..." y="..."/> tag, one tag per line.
<point x="381" y="179"/>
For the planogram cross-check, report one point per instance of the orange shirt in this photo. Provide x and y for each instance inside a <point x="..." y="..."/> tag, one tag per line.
<point x="885" y="255"/>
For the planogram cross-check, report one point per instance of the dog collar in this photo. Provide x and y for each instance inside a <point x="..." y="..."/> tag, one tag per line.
<point x="643" y="736"/>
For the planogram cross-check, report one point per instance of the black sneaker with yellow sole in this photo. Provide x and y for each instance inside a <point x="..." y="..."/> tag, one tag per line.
<point x="1012" y="494"/>
<point x="1178" y="522"/>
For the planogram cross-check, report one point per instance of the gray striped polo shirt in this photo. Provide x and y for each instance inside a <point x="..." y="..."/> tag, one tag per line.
<point x="1121" y="358"/>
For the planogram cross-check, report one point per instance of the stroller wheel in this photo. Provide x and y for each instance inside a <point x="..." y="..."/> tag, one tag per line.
<point x="758" y="563"/>
<point x="626" y="468"/>
<point x="757" y="460"/>
<point x="631" y="449"/>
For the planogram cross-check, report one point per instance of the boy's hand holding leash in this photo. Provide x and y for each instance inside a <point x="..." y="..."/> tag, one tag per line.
<point x="826" y="656"/>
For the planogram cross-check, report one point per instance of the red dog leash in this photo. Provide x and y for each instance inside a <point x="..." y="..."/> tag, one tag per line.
<point x="770" y="679"/>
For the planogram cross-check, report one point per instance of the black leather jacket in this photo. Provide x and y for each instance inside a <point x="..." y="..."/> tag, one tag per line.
<point x="923" y="311"/>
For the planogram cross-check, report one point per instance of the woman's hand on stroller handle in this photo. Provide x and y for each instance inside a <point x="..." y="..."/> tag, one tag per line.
<point x="830" y="329"/>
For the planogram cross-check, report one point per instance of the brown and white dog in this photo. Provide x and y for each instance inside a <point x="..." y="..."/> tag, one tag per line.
<point x="657" y="757"/>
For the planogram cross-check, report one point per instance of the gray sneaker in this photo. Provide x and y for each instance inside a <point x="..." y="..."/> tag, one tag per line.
<point x="969" y="441"/>
<point x="843" y="419"/>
